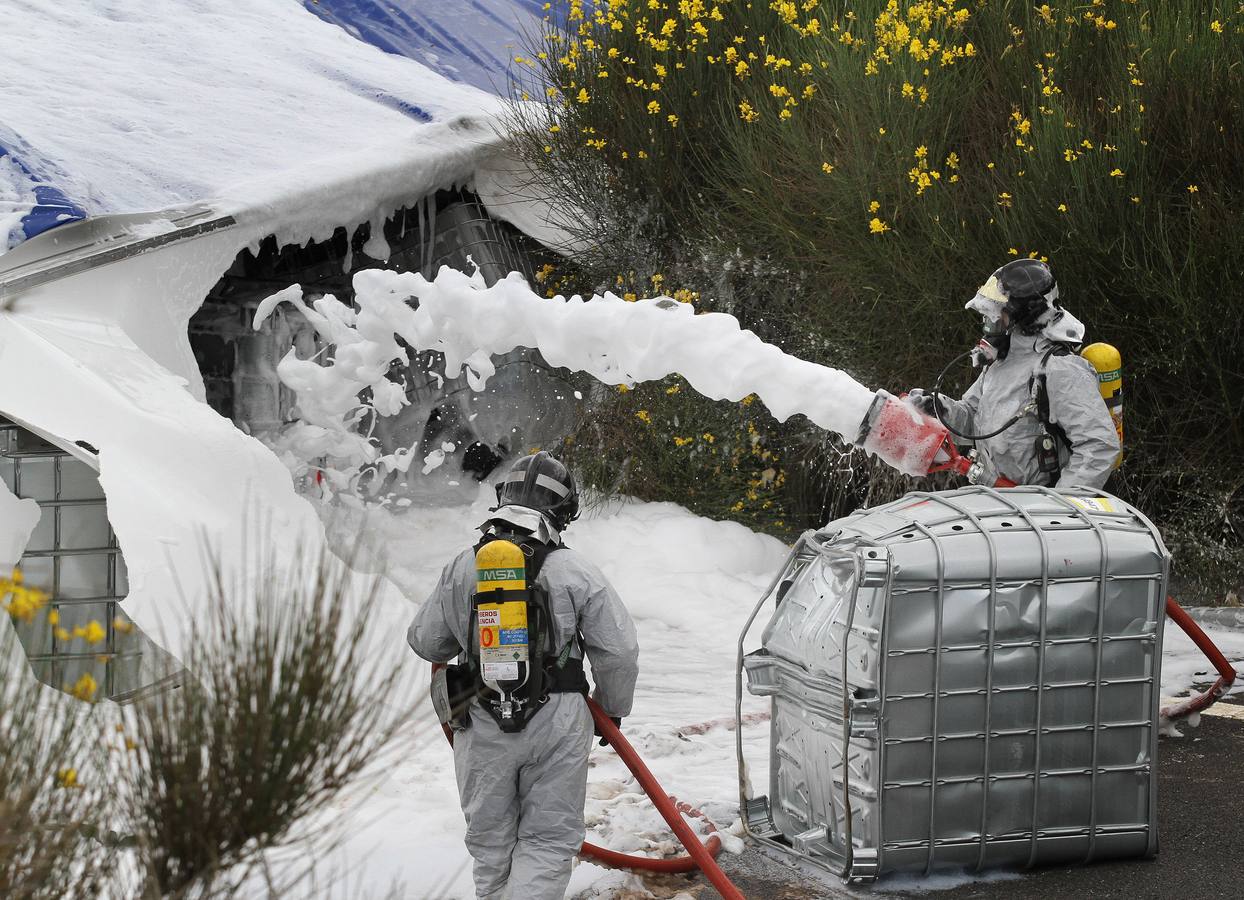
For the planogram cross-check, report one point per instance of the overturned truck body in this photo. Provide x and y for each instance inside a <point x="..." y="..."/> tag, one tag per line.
<point x="964" y="679"/>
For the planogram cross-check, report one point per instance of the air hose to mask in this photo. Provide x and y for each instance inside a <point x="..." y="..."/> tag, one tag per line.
<point x="937" y="408"/>
<point x="699" y="855"/>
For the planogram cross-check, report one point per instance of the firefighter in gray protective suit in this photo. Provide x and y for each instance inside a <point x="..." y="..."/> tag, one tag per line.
<point x="522" y="789"/>
<point x="1035" y="413"/>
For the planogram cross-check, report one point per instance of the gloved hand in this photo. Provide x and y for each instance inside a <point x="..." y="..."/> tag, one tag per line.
<point x="982" y="471"/>
<point x="616" y="720"/>
<point x="927" y="402"/>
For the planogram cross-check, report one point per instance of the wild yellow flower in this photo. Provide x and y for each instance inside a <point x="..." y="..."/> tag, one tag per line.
<point x="1004" y="200"/>
<point x="876" y="226"/>
<point x="708" y="436"/>
<point x="741" y="70"/>
<point x="1135" y="199"/>
<point x="746" y="113"/>
<point x="644" y="416"/>
<point x="67" y="778"/>
<point x="784" y="114"/>
<point x="909" y="92"/>
<point x="1062" y="207"/>
<point x="653" y="107"/>
<point x="673" y="120"/>
<point x="1215" y="26"/>
<point x="682" y="441"/>
<point x="1116" y="173"/>
<point x="84" y="688"/>
<point x="94" y="632"/>
<point x="23" y="602"/>
<point x="622" y="389"/>
<point x="582" y="96"/>
<point x="873" y="206"/>
<point x="1192" y="189"/>
<point x="826" y="168"/>
<point x="952" y="160"/>
<point x="881" y="131"/>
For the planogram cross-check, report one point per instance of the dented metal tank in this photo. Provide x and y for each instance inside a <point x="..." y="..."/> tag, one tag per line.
<point x="964" y="679"/>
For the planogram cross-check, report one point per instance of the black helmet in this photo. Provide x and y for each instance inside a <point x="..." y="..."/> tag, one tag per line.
<point x="541" y="482"/>
<point x="1030" y="290"/>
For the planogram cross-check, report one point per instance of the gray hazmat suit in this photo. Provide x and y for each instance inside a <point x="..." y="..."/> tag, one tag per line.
<point x="522" y="794"/>
<point x="1075" y="403"/>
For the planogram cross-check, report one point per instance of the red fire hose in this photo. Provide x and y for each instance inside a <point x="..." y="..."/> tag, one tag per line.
<point x="1226" y="674"/>
<point x="700" y="856"/>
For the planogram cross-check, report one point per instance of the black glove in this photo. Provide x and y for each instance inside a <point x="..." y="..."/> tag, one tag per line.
<point x="616" y="720"/>
<point x="928" y="403"/>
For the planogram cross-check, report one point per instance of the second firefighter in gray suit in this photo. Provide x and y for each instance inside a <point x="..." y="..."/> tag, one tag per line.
<point x="1035" y="412"/>
<point x="522" y="786"/>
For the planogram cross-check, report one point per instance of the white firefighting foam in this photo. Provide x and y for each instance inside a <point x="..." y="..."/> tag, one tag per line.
<point x="614" y="341"/>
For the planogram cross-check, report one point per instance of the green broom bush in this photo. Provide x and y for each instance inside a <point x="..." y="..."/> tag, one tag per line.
<point x="842" y="175"/>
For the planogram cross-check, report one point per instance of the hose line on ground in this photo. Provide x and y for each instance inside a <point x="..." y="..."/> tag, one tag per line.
<point x="1226" y="673"/>
<point x="699" y="855"/>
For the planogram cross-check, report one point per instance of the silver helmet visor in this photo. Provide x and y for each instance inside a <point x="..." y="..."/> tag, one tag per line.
<point x="989" y="300"/>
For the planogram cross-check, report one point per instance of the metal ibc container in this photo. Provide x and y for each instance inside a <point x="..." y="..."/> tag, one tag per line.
<point x="965" y="678"/>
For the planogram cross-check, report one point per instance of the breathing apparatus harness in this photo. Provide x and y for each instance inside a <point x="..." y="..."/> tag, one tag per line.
<point x="513" y="665"/>
<point x="1050" y="433"/>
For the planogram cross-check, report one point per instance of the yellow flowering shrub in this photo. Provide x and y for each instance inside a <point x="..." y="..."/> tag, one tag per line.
<point x="751" y="138"/>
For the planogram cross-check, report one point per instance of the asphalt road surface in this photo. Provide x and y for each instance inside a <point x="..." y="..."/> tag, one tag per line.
<point x="1200" y="833"/>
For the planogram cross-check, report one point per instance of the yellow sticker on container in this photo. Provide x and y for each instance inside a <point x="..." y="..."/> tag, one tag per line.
<point x="1093" y="504"/>
<point x="503" y="632"/>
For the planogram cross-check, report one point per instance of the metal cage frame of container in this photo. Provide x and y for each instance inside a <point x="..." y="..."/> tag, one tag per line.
<point x="859" y="715"/>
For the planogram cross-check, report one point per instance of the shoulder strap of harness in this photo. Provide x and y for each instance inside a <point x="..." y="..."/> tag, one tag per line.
<point x="1042" y="396"/>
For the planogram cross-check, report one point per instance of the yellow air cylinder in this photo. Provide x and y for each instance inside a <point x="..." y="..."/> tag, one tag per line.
<point x="500" y="565"/>
<point x="502" y="625"/>
<point x="1108" y="362"/>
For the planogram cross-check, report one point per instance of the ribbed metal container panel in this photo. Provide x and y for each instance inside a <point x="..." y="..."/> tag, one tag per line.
<point x="966" y="678"/>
